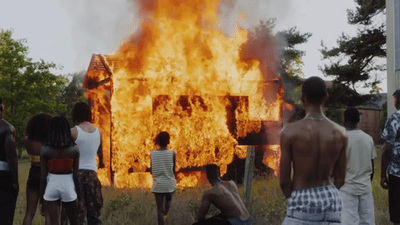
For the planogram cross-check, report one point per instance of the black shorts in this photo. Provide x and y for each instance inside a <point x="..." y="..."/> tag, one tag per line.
<point x="34" y="178"/>
<point x="394" y="198"/>
<point x="168" y="196"/>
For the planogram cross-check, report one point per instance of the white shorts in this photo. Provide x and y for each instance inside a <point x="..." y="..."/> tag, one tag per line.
<point x="60" y="186"/>
<point x="358" y="209"/>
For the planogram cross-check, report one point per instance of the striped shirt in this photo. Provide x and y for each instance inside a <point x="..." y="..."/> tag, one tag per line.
<point x="162" y="167"/>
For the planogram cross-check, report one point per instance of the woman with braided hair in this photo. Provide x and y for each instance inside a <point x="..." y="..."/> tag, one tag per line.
<point x="59" y="161"/>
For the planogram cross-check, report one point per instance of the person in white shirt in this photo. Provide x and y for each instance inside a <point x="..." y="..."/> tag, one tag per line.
<point x="358" y="204"/>
<point x="88" y="138"/>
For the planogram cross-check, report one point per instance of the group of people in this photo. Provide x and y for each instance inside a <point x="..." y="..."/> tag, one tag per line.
<point x="63" y="174"/>
<point x="326" y="169"/>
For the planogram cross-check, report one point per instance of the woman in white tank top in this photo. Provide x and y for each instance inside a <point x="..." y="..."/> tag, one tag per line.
<point x="163" y="171"/>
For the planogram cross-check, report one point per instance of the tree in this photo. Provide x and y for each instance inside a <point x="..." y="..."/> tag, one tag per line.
<point x="73" y="92"/>
<point x="356" y="62"/>
<point x="266" y="45"/>
<point x="27" y="87"/>
<point x="291" y="64"/>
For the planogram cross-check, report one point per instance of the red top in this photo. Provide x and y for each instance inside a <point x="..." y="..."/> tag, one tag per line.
<point x="61" y="165"/>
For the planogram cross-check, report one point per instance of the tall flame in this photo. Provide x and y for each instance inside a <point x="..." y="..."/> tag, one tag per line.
<point x="183" y="75"/>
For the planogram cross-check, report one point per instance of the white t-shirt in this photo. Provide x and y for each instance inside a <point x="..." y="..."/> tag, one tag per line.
<point x="360" y="152"/>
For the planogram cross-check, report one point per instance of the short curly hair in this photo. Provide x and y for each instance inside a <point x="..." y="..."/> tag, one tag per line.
<point x="162" y="139"/>
<point x="314" y="90"/>
<point x="81" y="113"/>
<point x="38" y="127"/>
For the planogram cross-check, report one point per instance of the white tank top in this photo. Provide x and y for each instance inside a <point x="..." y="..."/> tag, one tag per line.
<point x="162" y="168"/>
<point x="88" y="144"/>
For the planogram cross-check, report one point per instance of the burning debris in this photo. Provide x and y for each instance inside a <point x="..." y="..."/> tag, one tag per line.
<point x="181" y="74"/>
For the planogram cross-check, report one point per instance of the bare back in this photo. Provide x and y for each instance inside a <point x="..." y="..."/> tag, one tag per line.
<point x="316" y="149"/>
<point x="225" y="196"/>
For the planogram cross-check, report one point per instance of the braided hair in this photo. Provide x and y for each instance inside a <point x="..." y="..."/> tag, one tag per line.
<point x="60" y="133"/>
<point x="38" y="127"/>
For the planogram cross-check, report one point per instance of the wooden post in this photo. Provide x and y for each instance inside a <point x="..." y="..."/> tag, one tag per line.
<point x="248" y="174"/>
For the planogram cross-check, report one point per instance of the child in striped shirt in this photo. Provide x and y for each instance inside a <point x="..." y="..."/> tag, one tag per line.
<point x="163" y="171"/>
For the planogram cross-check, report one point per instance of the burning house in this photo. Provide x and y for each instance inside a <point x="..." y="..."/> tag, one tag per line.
<point x="183" y="75"/>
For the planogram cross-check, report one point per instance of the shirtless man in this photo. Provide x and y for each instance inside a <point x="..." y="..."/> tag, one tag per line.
<point x="225" y="196"/>
<point x="314" y="148"/>
<point x="8" y="170"/>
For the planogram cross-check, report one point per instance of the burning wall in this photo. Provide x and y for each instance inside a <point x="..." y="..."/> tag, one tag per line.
<point x="181" y="74"/>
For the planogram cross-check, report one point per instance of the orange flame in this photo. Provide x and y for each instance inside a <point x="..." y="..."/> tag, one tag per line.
<point x="179" y="74"/>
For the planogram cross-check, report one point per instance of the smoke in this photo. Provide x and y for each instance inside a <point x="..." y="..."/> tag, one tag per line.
<point x="100" y="26"/>
<point x="254" y="11"/>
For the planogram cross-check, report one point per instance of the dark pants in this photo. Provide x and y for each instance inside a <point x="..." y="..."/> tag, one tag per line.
<point x="215" y="220"/>
<point x="91" y="200"/>
<point x="394" y="198"/>
<point x="8" y="200"/>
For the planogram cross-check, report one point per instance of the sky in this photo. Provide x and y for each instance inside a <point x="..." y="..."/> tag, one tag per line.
<point x="68" y="32"/>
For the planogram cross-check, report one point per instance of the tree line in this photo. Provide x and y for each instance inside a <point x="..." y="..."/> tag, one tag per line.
<point x="28" y="87"/>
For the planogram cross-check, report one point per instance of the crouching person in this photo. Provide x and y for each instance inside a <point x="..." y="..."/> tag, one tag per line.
<point x="225" y="196"/>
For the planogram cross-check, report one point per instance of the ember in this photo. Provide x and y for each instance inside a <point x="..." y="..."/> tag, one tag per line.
<point x="181" y="74"/>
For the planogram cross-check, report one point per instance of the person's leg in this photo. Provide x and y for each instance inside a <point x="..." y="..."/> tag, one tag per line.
<point x="32" y="198"/>
<point x="82" y="212"/>
<point x="7" y="206"/>
<point x="350" y="209"/>
<point x="160" y="208"/>
<point x="94" y="200"/>
<point x="394" y="199"/>
<point x="215" y="220"/>
<point x="64" y="215"/>
<point x="53" y="211"/>
<point x="168" y="199"/>
<point x="72" y="211"/>
<point x="366" y="209"/>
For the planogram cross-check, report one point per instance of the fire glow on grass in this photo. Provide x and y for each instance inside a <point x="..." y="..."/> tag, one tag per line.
<point x="182" y="75"/>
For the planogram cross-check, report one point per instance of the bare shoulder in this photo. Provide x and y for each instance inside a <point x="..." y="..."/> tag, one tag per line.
<point x="230" y="183"/>
<point x="74" y="133"/>
<point x="207" y="194"/>
<point x="287" y="128"/>
<point x="339" y="128"/>
<point x="291" y="129"/>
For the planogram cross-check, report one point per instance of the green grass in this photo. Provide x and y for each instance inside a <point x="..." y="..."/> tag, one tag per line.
<point x="137" y="206"/>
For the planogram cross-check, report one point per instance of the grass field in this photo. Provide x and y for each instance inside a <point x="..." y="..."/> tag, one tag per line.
<point x="137" y="207"/>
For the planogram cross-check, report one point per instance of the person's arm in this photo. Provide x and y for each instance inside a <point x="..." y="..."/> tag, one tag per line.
<point x="75" y="172"/>
<point x="11" y="154"/>
<point x="386" y="156"/>
<point x="74" y="133"/>
<point x="390" y="136"/>
<point x="285" y="180"/>
<point x="373" y="168"/>
<point x="43" y="172"/>
<point x="100" y="154"/>
<point x="204" y="207"/>
<point x="339" y="171"/>
<point x="151" y="165"/>
<point x="174" y="158"/>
